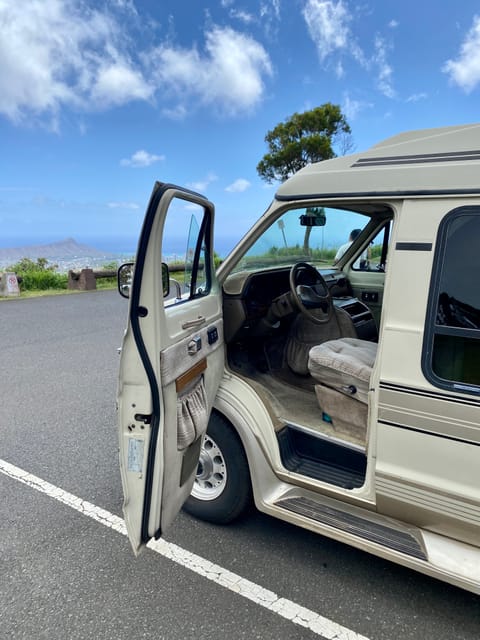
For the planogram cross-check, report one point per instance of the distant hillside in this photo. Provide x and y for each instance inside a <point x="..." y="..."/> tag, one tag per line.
<point x="64" y="250"/>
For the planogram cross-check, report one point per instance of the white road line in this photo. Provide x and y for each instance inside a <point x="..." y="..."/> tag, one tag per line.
<point x="268" y="599"/>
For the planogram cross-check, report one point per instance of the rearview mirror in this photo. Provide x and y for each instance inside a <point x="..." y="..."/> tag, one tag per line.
<point x="313" y="217"/>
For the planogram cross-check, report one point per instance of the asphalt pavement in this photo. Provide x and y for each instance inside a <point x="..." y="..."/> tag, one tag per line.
<point x="66" y="575"/>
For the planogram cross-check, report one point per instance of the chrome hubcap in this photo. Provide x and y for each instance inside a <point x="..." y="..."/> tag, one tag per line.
<point x="211" y="475"/>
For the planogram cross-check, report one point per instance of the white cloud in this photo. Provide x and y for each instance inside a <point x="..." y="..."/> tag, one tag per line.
<point x="117" y="84"/>
<point x="229" y="77"/>
<point x="201" y="185"/>
<point x="270" y="8"/>
<point x="123" y="205"/>
<point x="178" y="112"/>
<point x="242" y="16"/>
<point x="393" y="24"/>
<point x="141" y="158"/>
<point x="59" y="54"/>
<point x="329" y="26"/>
<point x="339" y="71"/>
<point x="327" y="23"/>
<point x="416" y="97"/>
<point x="128" y="5"/>
<point x="351" y="108"/>
<point x="270" y="17"/>
<point x="71" y="55"/>
<point x="385" y="71"/>
<point x="238" y="186"/>
<point x="465" y="70"/>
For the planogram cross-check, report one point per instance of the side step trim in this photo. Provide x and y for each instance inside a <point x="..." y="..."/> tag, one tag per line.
<point x="361" y="527"/>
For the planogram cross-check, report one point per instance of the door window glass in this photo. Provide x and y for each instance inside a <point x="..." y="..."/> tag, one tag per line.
<point x="452" y="353"/>
<point x="374" y="256"/>
<point x="186" y="249"/>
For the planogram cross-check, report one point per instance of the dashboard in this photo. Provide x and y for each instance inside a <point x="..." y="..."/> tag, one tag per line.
<point x="248" y="296"/>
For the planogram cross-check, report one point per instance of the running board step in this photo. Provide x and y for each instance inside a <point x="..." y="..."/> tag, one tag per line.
<point x="361" y="527"/>
<point x="316" y="457"/>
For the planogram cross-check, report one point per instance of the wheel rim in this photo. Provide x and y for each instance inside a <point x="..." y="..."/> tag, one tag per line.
<point x="211" y="477"/>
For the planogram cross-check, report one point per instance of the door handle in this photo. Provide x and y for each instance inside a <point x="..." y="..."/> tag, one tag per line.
<point x="193" y="324"/>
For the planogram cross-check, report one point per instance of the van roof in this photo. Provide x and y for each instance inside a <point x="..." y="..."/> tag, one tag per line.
<point x="423" y="162"/>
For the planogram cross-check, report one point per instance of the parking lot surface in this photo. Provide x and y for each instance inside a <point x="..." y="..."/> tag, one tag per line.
<point x="67" y="568"/>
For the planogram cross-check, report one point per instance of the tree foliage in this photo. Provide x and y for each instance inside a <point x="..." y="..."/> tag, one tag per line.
<point x="28" y="265"/>
<point x="301" y="139"/>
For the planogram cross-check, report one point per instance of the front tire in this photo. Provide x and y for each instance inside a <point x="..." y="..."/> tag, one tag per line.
<point x="222" y="490"/>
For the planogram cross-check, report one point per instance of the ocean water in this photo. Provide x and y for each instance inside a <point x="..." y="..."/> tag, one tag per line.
<point x="172" y="247"/>
<point x="112" y="244"/>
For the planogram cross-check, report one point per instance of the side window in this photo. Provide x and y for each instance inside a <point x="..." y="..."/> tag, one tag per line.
<point x="186" y="248"/>
<point x="197" y="276"/>
<point x="374" y="257"/>
<point x="451" y="357"/>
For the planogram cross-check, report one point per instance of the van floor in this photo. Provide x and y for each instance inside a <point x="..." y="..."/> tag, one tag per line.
<point x="296" y="405"/>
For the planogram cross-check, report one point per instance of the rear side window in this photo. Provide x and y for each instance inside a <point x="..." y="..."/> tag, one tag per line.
<point x="451" y="356"/>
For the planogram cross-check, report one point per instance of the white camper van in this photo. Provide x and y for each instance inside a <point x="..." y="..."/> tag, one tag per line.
<point x="338" y="390"/>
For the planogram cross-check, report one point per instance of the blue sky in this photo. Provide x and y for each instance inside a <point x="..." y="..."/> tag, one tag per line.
<point x="100" y="99"/>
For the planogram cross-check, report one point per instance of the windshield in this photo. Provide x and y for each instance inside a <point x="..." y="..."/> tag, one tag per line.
<point x="316" y="234"/>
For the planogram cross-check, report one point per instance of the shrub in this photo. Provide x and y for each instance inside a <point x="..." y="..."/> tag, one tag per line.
<point x="39" y="275"/>
<point x="42" y="280"/>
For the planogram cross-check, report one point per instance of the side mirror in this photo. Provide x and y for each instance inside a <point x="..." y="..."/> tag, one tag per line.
<point x="125" y="278"/>
<point x="165" y="279"/>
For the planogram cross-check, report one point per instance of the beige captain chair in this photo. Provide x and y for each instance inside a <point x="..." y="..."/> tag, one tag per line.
<point x="343" y="368"/>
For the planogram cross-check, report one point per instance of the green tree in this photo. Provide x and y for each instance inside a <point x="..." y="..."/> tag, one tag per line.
<point x="304" y="138"/>
<point x="28" y="265"/>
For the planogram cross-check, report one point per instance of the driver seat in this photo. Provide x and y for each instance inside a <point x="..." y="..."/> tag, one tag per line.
<point x="343" y="368"/>
<point x="305" y="334"/>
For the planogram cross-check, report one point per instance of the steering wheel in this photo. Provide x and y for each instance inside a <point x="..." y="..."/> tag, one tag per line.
<point x="310" y="293"/>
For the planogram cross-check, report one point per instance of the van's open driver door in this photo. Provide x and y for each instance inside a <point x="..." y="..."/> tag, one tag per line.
<point x="171" y="362"/>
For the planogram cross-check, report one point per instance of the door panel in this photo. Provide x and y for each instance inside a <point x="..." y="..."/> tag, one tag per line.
<point x="171" y="364"/>
<point x="427" y="461"/>
<point x="368" y="286"/>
